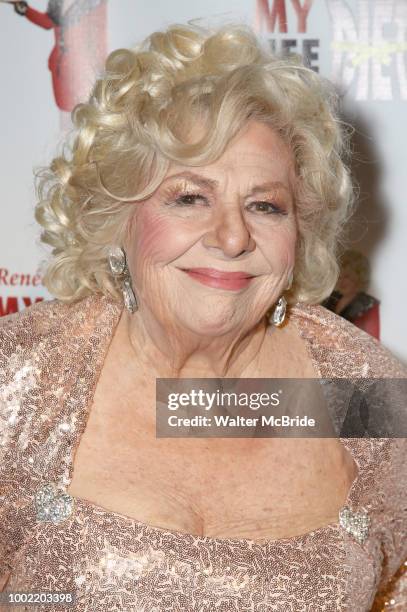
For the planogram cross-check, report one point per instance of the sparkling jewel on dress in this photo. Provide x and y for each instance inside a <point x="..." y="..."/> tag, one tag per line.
<point x="355" y="523"/>
<point x="51" y="504"/>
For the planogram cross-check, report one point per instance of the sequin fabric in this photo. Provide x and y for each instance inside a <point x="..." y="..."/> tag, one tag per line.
<point x="51" y="356"/>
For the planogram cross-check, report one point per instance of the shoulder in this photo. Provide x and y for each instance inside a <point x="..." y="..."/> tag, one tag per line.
<point x="49" y="354"/>
<point x="24" y="338"/>
<point x="45" y="342"/>
<point x="47" y="321"/>
<point x="342" y="349"/>
<point x="25" y="327"/>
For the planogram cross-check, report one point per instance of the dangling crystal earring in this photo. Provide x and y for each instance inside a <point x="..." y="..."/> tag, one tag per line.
<point x="119" y="268"/>
<point x="278" y="316"/>
<point x="129" y="297"/>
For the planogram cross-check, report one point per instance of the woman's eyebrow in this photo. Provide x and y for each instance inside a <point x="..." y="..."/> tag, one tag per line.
<point x="213" y="183"/>
<point x="268" y="186"/>
<point x="197" y="178"/>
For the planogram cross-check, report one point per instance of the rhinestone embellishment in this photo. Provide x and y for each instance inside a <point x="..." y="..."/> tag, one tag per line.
<point x="119" y="268"/>
<point x="52" y="505"/>
<point x="355" y="523"/>
<point x="117" y="261"/>
<point x="279" y="312"/>
<point x="128" y="295"/>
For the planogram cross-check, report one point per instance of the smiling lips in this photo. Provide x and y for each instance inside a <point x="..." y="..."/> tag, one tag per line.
<point x="219" y="279"/>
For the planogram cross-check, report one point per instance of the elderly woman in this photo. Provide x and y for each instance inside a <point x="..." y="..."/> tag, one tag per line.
<point x="194" y="220"/>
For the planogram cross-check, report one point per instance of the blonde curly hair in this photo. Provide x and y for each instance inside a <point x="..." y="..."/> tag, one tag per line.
<point x="129" y="130"/>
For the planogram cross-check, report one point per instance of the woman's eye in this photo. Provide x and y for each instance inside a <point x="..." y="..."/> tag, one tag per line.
<point x="189" y="199"/>
<point x="266" y="208"/>
<point x="194" y="199"/>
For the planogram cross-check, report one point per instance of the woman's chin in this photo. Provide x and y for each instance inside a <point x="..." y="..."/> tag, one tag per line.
<point x="210" y="325"/>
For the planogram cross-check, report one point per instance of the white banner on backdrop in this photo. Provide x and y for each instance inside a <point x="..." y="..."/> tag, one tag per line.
<point x="361" y="45"/>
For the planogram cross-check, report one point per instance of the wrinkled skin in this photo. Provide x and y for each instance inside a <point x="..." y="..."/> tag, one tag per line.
<point x="187" y="329"/>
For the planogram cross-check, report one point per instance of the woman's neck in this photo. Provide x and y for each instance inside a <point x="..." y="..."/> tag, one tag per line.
<point x="180" y="353"/>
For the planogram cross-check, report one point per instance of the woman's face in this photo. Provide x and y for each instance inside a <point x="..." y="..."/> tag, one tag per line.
<point x="233" y="219"/>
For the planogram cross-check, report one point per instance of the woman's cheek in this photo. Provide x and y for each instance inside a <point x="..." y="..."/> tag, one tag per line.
<point x="278" y="246"/>
<point x="151" y="239"/>
<point x="159" y="239"/>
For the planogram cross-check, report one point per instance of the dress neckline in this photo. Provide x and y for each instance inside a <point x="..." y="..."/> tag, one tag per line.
<point x="157" y="531"/>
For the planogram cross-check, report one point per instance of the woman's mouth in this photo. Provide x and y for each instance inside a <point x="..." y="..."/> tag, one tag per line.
<point x="219" y="279"/>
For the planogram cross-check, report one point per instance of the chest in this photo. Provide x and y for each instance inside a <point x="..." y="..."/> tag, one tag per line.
<point x="244" y="487"/>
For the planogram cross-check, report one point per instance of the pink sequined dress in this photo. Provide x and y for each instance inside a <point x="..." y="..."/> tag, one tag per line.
<point x="51" y="356"/>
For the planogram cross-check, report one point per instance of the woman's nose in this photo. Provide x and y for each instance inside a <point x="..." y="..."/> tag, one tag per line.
<point x="230" y="234"/>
